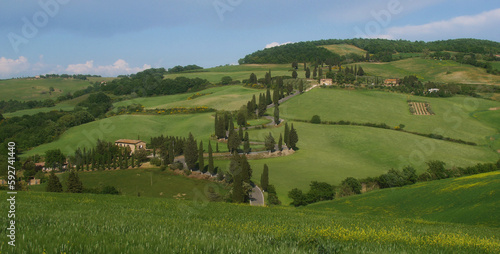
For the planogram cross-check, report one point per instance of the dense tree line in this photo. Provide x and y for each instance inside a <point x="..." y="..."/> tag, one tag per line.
<point x="30" y="131"/>
<point x="295" y="52"/>
<point x="381" y="50"/>
<point x="15" y="105"/>
<point x="74" y="76"/>
<point x="178" y="68"/>
<point x="319" y="191"/>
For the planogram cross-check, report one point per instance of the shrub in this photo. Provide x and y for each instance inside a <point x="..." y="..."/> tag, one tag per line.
<point x="352" y="184"/>
<point x="316" y="119"/>
<point x="156" y="162"/>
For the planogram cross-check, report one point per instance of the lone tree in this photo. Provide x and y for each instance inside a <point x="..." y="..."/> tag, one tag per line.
<point x="190" y="152"/>
<point x="211" y="167"/>
<point x="264" y="178"/>
<point x="74" y="183"/>
<point x="54" y="185"/>
<point x="316" y="119"/>
<point x="269" y="142"/>
<point x="201" y="160"/>
<point x="294" y="74"/>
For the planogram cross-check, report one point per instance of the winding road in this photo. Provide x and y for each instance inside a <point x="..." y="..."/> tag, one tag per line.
<point x="256" y="197"/>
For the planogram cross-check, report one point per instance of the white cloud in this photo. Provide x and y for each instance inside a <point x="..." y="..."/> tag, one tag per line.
<point x="118" y="68"/>
<point x="11" y="67"/>
<point x="275" y="44"/>
<point x="478" y="25"/>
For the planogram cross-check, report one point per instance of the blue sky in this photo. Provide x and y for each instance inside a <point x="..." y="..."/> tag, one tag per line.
<point x="114" y="37"/>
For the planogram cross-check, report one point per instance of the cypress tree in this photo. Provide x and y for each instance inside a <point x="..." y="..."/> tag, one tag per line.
<point x="276" y="114"/>
<point x="74" y="183"/>
<point x="315" y="72"/>
<point x="246" y="144"/>
<point x="211" y="167"/>
<point x="240" y="133"/>
<point x="262" y="106"/>
<point x="201" y="160"/>
<point x="171" y="153"/>
<point x="254" y="103"/>
<point x="269" y="142"/>
<point x="238" y="195"/>
<point x="269" y="99"/>
<point x="132" y="161"/>
<point x="191" y="152"/>
<point x="301" y="86"/>
<point x="246" y="170"/>
<point x="294" y="138"/>
<point x="280" y="143"/>
<point x="320" y="73"/>
<point x="286" y="135"/>
<point x="308" y="73"/>
<point x="233" y="141"/>
<point x="264" y="178"/>
<point x="276" y="96"/>
<point x="53" y="185"/>
<point x="217" y="147"/>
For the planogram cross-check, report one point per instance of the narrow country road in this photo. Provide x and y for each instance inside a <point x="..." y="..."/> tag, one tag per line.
<point x="256" y="197"/>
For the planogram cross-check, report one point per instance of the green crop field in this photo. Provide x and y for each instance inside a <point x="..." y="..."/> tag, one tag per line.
<point x="452" y="117"/>
<point x="240" y="72"/>
<point x="471" y="200"/>
<point x="431" y="70"/>
<point x="221" y="98"/>
<point x="331" y="153"/>
<point x="26" y="89"/>
<point x="344" y="49"/>
<point x="85" y="223"/>
<point x="146" y="182"/>
<point x="130" y="127"/>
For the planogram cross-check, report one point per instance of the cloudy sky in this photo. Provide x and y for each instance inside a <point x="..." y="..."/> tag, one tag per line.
<point x="115" y="37"/>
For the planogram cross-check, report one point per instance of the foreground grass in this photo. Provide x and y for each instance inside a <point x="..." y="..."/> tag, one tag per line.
<point x="81" y="223"/>
<point x="143" y="182"/>
<point x="470" y="200"/>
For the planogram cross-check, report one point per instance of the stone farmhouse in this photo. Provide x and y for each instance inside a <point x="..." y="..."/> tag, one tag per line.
<point x="391" y="82"/>
<point x="133" y="144"/>
<point x="326" y="82"/>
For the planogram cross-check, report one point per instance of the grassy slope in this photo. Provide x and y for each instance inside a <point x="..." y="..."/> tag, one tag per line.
<point x="86" y="223"/>
<point x="471" y="200"/>
<point x="241" y="72"/>
<point x="452" y="114"/>
<point x="332" y="153"/>
<point x="222" y="98"/>
<point x="147" y="182"/>
<point x="24" y="89"/>
<point x="64" y="106"/>
<point x="344" y="49"/>
<point x="431" y="70"/>
<point x="130" y="127"/>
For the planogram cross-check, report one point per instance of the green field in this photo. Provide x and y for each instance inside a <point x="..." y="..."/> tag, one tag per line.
<point x="452" y="117"/>
<point x="240" y="72"/>
<point x="26" y="89"/>
<point x="68" y="105"/>
<point x="147" y="182"/>
<point x="344" y="49"/>
<point x="332" y="153"/>
<point x="221" y="98"/>
<point x="85" y="223"/>
<point x="130" y="127"/>
<point x="470" y="200"/>
<point x="432" y="70"/>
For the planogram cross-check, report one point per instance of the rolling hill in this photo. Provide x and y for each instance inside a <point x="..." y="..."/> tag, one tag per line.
<point x="469" y="200"/>
<point x="39" y="89"/>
